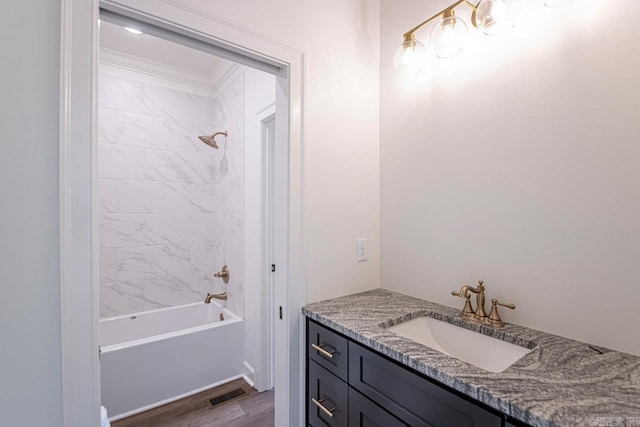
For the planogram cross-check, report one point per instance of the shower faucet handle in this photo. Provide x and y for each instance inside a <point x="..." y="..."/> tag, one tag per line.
<point x="223" y="274"/>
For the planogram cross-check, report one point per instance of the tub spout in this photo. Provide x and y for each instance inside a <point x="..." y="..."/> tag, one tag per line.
<point x="222" y="296"/>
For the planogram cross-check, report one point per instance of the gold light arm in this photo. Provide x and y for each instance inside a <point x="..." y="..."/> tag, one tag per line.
<point x="408" y="36"/>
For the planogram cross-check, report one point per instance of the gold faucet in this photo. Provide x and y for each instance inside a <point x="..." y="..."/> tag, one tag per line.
<point x="480" y="315"/>
<point x="222" y="296"/>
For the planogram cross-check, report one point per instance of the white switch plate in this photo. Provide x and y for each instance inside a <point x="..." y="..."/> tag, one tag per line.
<point x="362" y="250"/>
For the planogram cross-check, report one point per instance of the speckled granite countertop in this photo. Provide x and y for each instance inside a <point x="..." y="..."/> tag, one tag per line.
<point x="561" y="383"/>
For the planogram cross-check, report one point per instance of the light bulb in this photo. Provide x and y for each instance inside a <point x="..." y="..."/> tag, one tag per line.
<point x="448" y="36"/>
<point x="410" y="57"/>
<point x="497" y="16"/>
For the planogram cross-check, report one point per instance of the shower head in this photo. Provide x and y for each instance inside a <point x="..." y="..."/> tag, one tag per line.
<point x="210" y="140"/>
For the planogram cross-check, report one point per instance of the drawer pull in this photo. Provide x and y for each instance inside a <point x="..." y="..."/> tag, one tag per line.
<point x="319" y="404"/>
<point x="322" y="351"/>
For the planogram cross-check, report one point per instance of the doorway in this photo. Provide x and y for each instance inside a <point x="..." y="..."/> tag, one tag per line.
<point x="179" y="179"/>
<point x="80" y="366"/>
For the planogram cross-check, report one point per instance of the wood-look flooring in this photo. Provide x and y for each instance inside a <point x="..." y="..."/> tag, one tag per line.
<point x="251" y="410"/>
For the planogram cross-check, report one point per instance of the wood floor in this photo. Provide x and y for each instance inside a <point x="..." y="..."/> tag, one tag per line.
<point x="251" y="410"/>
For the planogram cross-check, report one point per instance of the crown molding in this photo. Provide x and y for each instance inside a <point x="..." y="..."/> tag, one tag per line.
<point x="167" y="75"/>
<point x="223" y="73"/>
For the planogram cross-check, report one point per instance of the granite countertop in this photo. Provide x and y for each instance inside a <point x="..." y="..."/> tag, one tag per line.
<point x="561" y="383"/>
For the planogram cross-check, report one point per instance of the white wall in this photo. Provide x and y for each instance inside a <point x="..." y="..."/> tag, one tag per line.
<point x="30" y="352"/>
<point x="517" y="163"/>
<point x="340" y="40"/>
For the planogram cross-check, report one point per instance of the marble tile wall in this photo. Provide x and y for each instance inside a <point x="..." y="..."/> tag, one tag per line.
<point x="171" y="208"/>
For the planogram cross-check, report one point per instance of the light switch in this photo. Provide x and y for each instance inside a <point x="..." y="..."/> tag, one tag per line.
<point x="362" y="250"/>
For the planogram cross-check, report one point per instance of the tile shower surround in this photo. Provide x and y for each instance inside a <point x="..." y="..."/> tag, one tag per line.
<point x="171" y="211"/>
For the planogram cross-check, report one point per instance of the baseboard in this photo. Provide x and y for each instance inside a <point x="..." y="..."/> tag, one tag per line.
<point x="248" y="373"/>
<point x="173" y="399"/>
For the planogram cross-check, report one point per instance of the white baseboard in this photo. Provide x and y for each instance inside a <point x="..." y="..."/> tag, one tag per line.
<point x="173" y="399"/>
<point x="249" y="374"/>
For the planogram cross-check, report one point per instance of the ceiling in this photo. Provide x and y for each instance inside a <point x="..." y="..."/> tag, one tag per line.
<point x="116" y="38"/>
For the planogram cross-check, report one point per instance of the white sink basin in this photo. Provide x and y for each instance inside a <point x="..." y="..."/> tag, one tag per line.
<point x="485" y="352"/>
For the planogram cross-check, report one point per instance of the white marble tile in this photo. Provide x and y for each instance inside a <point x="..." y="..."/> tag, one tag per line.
<point x="166" y="292"/>
<point x="108" y="195"/>
<point x="235" y="162"/>
<point x="204" y="282"/>
<point x="203" y="255"/>
<point x="165" y="197"/>
<point x="173" y="215"/>
<point x="120" y="162"/>
<point x="177" y="105"/>
<point x="152" y="262"/>
<point x="228" y="195"/>
<point x="228" y="229"/>
<point x="107" y="125"/>
<point x="228" y="110"/>
<point x="108" y="264"/>
<point x="162" y="165"/>
<point x="180" y="230"/>
<point x="144" y="131"/>
<point x="120" y="298"/>
<point x="120" y="94"/>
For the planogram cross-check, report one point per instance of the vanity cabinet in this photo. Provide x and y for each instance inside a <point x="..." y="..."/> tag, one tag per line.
<point x="351" y="385"/>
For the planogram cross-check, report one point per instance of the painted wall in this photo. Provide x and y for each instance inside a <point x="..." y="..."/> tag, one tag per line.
<point x="172" y="208"/>
<point x="30" y="372"/>
<point x="340" y="40"/>
<point x="517" y="163"/>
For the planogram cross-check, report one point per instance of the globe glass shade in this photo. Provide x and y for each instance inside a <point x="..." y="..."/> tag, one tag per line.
<point x="410" y="57"/>
<point x="448" y="37"/>
<point x="497" y="16"/>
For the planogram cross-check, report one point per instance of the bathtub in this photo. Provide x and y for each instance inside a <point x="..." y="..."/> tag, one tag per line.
<point x="152" y="358"/>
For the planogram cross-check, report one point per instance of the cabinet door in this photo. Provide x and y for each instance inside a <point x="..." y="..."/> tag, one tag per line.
<point x="328" y="349"/>
<point x="328" y="395"/>
<point x="410" y="397"/>
<point x="365" y="413"/>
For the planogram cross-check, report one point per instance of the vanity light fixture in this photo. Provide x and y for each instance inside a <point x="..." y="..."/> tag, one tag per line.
<point x="449" y="35"/>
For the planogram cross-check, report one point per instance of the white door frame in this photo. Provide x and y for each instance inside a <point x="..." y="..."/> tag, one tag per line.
<point x="265" y="375"/>
<point x="78" y="204"/>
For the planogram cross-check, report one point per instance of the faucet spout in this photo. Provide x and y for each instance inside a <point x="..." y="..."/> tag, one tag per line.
<point x="209" y="297"/>
<point x="468" y="311"/>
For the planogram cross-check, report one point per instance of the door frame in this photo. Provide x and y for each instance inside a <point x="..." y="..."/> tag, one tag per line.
<point x="78" y="202"/>
<point x="265" y="377"/>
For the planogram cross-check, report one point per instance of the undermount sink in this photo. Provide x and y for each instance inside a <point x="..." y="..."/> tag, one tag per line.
<point x="480" y="350"/>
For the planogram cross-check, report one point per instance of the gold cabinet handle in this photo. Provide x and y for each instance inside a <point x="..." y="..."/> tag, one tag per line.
<point x="322" y="351"/>
<point x="319" y="404"/>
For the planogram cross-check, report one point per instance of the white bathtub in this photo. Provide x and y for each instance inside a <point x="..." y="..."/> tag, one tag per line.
<point x="149" y="359"/>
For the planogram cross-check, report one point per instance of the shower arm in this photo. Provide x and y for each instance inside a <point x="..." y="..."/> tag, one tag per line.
<point x="225" y="133"/>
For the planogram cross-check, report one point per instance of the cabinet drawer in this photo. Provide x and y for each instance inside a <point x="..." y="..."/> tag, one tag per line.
<point x="328" y="349"/>
<point x="413" y="399"/>
<point x="328" y="398"/>
<point x="365" y="413"/>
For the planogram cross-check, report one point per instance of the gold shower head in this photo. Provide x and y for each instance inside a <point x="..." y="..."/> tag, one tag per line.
<point x="210" y="140"/>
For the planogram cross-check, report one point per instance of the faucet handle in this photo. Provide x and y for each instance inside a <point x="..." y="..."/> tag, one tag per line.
<point x="223" y="274"/>
<point x="494" y="315"/>
<point x="467" y="310"/>
<point x="496" y="302"/>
